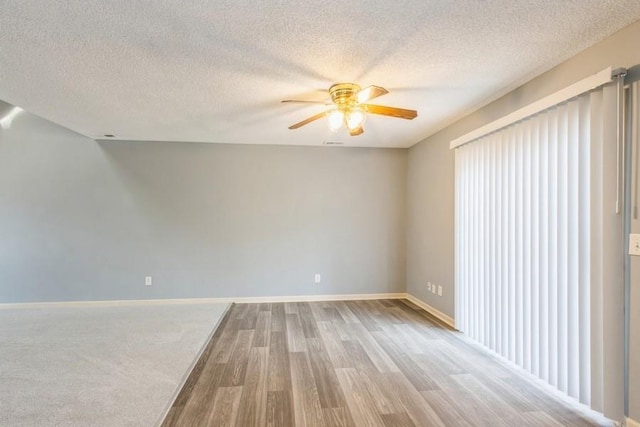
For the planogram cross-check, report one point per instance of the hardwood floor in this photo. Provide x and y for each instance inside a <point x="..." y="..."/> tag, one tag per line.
<point x="355" y="363"/>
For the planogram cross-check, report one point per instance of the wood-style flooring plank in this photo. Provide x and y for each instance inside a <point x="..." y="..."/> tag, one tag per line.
<point x="397" y="420"/>
<point x="332" y="314"/>
<point x="329" y="391"/>
<point x="306" y="402"/>
<point x="205" y="390"/>
<point x="434" y="371"/>
<point x="236" y="368"/>
<point x="318" y="310"/>
<point x="224" y="410"/>
<point x="359" y="310"/>
<point x="420" y="412"/>
<point x="265" y="306"/>
<point x="359" y="400"/>
<point x="334" y="345"/>
<point x="474" y="409"/>
<point x="278" y="318"/>
<point x="308" y="320"/>
<point x="253" y="404"/>
<point x="497" y="403"/>
<point x="445" y="406"/>
<point x="263" y="329"/>
<point x="409" y="338"/>
<point x="404" y="362"/>
<point x="538" y="418"/>
<point x="345" y="312"/>
<point x="386" y="302"/>
<point x="359" y="357"/>
<point x="279" y="409"/>
<point x="250" y="317"/>
<point x="291" y="308"/>
<point x="384" y="398"/>
<point x="295" y="334"/>
<point x="278" y="372"/>
<point x="338" y="417"/>
<point x="372" y="347"/>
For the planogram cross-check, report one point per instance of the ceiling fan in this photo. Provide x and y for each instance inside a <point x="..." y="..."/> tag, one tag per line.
<point x="348" y="107"/>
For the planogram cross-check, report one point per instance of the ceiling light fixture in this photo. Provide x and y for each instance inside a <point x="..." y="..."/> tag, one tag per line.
<point x="354" y="119"/>
<point x="336" y="117"/>
<point x="349" y="106"/>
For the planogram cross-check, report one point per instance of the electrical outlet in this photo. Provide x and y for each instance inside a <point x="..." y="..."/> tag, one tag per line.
<point x="433" y="288"/>
<point x="148" y="281"/>
<point x="440" y="290"/>
<point x="317" y="278"/>
<point x="428" y="286"/>
<point x="634" y="244"/>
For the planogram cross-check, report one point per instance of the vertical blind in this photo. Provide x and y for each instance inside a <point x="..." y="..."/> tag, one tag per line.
<point x="538" y="247"/>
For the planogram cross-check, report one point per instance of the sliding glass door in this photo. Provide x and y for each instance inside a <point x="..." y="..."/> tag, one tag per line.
<point x="539" y="276"/>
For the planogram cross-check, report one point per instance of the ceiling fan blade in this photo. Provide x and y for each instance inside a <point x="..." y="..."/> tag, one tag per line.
<point x="370" y="92"/>
<point x="400" y="113"/>
<point x="356" y="132"/>
<point x="326" y="102"/>
<point x="309" y="120"/>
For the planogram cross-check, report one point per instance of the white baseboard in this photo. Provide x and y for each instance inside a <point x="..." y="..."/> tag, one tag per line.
<point x="435" y="312"/>
<point x="631" y="423"/>
<point x="225" y="300"/>
<point x="310" y="298"/>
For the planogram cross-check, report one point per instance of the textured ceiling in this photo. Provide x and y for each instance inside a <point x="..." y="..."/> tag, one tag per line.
<point x="215" y="71"/>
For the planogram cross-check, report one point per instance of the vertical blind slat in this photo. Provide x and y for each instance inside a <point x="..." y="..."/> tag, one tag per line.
<point x="519" y="248"/>
<point x="511" y="249"/>
<point x="544" y="247"/>
<point x="573" y="221"/>
<point x="553" y="249"/>
<point x="597" y="374"/>
<point x="535" y="255"/>
<point x="526" y="254"/>
<point x="504" y="239"/>
<point x="562" y="247"/>
<point x="584" y="250"/>
<point x="492" y="244"/>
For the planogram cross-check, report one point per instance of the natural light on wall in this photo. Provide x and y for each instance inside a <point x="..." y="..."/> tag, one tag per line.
<point x="537" y="239"/>
<point x="6" y="119"/>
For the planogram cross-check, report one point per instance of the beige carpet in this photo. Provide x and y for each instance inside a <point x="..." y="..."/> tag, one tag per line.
<point x="99" y="365"/>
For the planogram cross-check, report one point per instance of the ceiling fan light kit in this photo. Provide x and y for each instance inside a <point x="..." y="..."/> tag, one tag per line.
<point x="354" y="119"/>
<point x="336" y="117"/>
<point x="348" y="107"/>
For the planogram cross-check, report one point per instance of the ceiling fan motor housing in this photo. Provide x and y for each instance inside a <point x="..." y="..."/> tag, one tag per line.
<point x="344" y="94"/>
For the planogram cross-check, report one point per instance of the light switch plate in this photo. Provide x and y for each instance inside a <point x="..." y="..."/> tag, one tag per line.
<point x="634" y="244"/>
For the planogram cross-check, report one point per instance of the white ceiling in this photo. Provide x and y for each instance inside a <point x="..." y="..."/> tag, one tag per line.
<point x="215" y="71"/>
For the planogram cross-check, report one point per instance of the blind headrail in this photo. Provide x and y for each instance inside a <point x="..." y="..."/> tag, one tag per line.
<point x="578" y="88"/>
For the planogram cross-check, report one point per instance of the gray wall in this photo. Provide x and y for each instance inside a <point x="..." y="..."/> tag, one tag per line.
<point x="86" y="220"/>
<point x="430" y="183"/>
